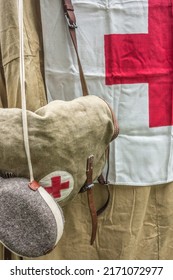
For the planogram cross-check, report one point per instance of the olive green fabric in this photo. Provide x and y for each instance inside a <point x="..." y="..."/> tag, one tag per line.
<point x="9" y="55"/>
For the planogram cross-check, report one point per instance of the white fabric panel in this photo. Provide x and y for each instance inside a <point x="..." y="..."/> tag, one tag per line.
<point x="141" y="155"/>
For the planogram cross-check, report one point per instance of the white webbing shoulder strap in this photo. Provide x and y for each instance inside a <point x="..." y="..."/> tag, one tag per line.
<point x="33" y="183"/>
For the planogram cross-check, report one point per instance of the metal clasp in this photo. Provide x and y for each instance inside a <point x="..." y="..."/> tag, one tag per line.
<point x="71" y="25"/>
<point x="89" y="186"/>
<point x="86" y="187"/>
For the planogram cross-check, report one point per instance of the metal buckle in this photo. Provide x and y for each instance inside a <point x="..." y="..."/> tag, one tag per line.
<point x="71" y="25"/>
<point x="86" y="187"/>
<point x="89" y="186"/>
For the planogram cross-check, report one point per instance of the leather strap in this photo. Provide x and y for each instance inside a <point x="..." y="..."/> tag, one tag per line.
<point x="88" y="187"/>
<point x="71" y="21"/>
<point x="104" y="183"/>
<point x="89" y="184"/>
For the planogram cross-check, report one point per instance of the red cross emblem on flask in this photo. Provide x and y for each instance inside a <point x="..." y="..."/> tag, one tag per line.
<point x="57" y="186"/>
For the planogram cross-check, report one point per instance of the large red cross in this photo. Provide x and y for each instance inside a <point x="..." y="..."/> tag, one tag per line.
<point x="57" y="186"/>
<point x="146" y="58"/>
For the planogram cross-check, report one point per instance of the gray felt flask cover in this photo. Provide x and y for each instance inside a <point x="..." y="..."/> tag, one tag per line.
<point x="31" y="222"/>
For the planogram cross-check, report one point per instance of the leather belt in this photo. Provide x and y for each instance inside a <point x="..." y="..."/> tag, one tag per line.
<point x="71" y="21"/>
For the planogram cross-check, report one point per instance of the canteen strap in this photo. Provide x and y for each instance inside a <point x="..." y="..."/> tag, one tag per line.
<point x="33" y="184"/>
<point x="71" y="22"/>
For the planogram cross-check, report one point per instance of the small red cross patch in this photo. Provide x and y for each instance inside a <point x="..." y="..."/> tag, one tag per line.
<point x="57" y="186"/>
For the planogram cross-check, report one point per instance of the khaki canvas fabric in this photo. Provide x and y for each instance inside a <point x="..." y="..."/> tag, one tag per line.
<point x="62" y="136"/>
<point x="138" y="222"/>
<point x="9" y="55"/>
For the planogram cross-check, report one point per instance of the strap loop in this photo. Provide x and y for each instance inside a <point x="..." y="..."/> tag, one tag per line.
<point x="69" y="14"/>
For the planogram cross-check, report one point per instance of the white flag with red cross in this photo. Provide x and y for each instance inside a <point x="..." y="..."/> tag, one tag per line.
<point x="126" y="50"/>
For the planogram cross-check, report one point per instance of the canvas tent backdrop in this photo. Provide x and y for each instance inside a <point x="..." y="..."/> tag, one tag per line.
<point x="126" y="56"/>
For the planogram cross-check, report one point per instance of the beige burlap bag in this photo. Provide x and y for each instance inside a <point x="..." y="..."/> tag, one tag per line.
<point x="62" y="135"/>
